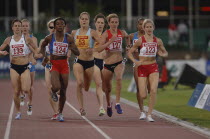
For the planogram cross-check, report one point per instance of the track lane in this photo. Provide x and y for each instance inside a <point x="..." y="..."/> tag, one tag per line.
<point x="118" y="126"/>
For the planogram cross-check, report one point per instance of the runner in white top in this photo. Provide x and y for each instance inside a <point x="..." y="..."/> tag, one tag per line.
<point x="19" y="72"/>
<point x="32" y="62"/>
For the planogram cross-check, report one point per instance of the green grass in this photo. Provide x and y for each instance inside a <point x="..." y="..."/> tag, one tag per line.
<point x="173" y="102"/>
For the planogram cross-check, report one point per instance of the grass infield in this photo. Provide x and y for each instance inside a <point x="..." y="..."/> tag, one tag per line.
<point x="172" y="102"/>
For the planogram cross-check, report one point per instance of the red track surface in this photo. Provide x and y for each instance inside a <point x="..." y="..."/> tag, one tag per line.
<point x="39" y="125"/>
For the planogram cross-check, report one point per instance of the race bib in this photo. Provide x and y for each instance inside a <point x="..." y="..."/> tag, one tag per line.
<point x="82" y="42"/>
<point x="150" y="48"/>
<point x="18" y="50"/>
<point x="60" y="48"/>
<point x="116" y="45"/>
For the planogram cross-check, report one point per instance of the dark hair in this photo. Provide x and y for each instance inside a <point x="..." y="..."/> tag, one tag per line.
<point x="59" y="18"/>
<point x="140" y="19"/>
<point x="14" y="21"/>
<point x="100" y="15"/>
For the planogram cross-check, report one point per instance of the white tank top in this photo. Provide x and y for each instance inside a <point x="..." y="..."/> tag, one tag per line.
<point x="18" y="48"/>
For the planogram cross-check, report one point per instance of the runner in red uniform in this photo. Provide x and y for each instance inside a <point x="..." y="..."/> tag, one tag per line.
<point x="147" y="67"/>
<point x="111" y="41"/>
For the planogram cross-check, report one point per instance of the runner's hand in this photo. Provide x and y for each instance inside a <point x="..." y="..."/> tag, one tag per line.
<point x="4" y="53"/>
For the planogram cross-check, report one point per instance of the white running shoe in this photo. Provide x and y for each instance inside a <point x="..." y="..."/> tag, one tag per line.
<point x="60" y="117"/>
<point x="101" y="112"/>
<point x="18" y="116"/>
<point x="29" y="111"/>
<point x="149" y="118"/>
<point x="142" y="116"/>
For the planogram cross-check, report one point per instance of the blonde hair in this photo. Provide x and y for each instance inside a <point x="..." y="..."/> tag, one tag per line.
<point x="25" y="20"/>
<point x="51" y="21"/>
<point x="113" y="15"/>
<point x="148" y="21"/>
<point x="84" y="13"/>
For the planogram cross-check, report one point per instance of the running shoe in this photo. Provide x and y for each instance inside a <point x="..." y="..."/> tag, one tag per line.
<point x="142" y="116"/>
<point x="29" y="111"/>
<point x="60" y="117"/>
<point x="54" y="97"/>
<point x="150" y="119"/>
<point x="18" y="116"/>
<point x="55" y="116"/>
<point x="22" y="98"/>
<point x="109" y="111"/>
<point x="118" y="108"/>
<point x="82" y="112"/>
<point x="101" y="112"/>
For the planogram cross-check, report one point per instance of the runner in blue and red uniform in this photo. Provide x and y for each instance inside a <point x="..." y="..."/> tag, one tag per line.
<point x="46" y="63"/>
<point x="59" y="44"/>
<point x="133" y="38"/>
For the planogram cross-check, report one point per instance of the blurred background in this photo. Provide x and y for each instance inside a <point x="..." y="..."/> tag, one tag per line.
<point x="183" y="25"/>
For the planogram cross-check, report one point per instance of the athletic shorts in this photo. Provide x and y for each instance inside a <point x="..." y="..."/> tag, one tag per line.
<point x="48" y="66"/>
<point x="99" y="63"/>
<point x="60" y="65"/>
<point x="146" y="70"/>
<point x="19" y="68"/>
<point x="31" y="67"/>
<point x="111" y="67"/>
<point x="85" y="64"/>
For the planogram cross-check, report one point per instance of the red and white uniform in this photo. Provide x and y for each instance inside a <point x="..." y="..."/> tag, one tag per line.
<point x="148" y="49"/>
<point x="18" y="48"/>
<point x="117" y="44"/>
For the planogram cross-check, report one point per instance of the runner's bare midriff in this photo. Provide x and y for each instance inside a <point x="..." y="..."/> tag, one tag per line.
<point x="147" y="60"/>
<point x="100" y="55"/>
<point x="84" y="55"/>
<point x="21" y="60"/>
<point x="113" y="57"/>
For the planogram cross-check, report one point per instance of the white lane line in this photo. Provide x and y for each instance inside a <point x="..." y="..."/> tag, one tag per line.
<point x="7" y="132"/>
<point x="92" y="124"/>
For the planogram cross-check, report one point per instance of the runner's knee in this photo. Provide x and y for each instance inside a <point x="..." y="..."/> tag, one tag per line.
<point x="119" y="79"/>
<point x="98" y="84"/>
<point x="80" y="84"/>
<point x="143" y="96"/>
<point x="153" y="91"/>
<point x="26" y="89"/>
<point x="107" y="89"/>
